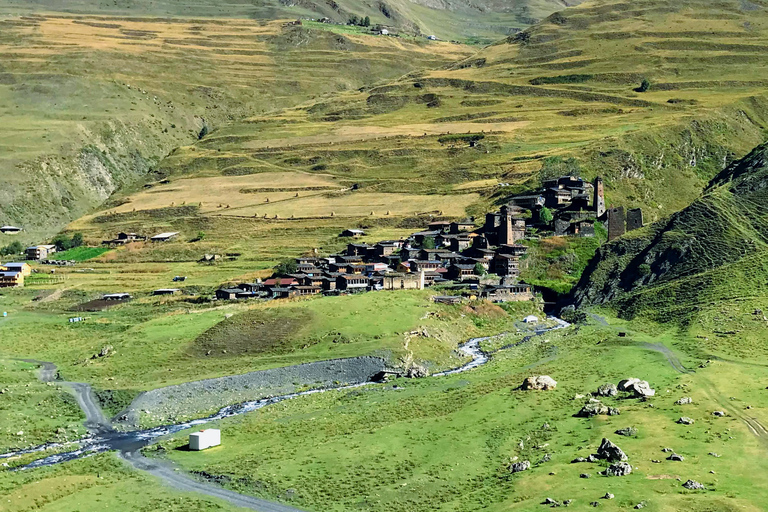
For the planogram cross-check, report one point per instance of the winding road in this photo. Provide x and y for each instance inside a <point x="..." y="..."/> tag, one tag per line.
<point x="104" y="437"/>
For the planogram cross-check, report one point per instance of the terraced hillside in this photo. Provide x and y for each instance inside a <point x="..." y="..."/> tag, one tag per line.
<point x="564" y="89"/>
<point x="704" y="265"/>
<point x="475" y="20"/>
<point x="91" y="104"/>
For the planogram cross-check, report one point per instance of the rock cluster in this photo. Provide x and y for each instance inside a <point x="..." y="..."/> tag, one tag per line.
<point x="517" y="467"/>
<point x="618" y="469"/>
<point x="596" y="409"/>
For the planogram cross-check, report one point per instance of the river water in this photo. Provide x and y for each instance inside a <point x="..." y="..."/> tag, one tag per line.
<point x="108" y="439"/>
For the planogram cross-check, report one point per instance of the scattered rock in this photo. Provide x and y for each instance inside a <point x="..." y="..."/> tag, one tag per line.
<point x="578" y="459"/>
<point x="713" y="454"/>
<point x="684" y="401"/>
<point x="676" y="457"/>
<point x="656" y="461"/>
<point x="640" y="505"/>
<point x="551" y="502"/>
<point x="520" y="466"/>
<point x="667" y="450"/>
<point x="595" y="503"/>
<point x="627" y="432"/>
<point x="608" y="496"/>
<point x="585" y="475"/>
<point x="693" y="485"/>
<point x="539" y="383"/>
<point x="685" y="420"/>
<point x="718" y="414"/>
<point x="567" y="502"/>
<point x="618" y="469"/>
<point x="610" y="452"/>
<point x="607" y="389"/>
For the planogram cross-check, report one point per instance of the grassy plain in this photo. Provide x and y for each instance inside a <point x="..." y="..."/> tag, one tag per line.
<point x="445" y="443"/>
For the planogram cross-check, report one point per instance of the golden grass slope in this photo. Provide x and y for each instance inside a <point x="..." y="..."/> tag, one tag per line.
<point x="565" y="87"/>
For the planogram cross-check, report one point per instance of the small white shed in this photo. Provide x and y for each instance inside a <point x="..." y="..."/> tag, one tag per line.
<point x="204" y="439"/>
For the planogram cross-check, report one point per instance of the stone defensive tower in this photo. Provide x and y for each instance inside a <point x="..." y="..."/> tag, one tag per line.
<point x="599" y="200"/>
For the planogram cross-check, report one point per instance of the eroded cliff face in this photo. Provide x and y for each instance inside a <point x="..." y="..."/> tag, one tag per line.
<point x="102" y="158"/>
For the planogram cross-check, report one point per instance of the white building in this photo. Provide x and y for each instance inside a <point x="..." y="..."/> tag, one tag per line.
<point x="204" y="439"/>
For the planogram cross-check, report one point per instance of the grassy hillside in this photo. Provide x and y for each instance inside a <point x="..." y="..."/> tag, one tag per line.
<point x="476" y="20"/>
<point x="559" y="98"/>
<point x="706" y="262"/>
<point x="92" y="104"/>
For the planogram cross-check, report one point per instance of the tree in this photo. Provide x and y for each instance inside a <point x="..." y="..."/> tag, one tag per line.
<point x="480" y="270"/>
<point x="546" y="215"/>
<point x="286" y="267"/>
<point x="77" y="240"/>
<point x="644" y="86"/>
<point x="353" y="20"/>
<point x="367" y="21"/>
<point x="62" y="242"/>
<point x="14" y="247"/>
<point x="428" y="243"/>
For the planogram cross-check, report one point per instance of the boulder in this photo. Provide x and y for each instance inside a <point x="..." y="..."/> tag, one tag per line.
<point x="684" y="401"/>
<point x="607" y="389"/>
<point x="628" y="432"/>
<point x="693" y="485"/>
<point x="639" y="388"/>
<point x="676" y="457"/>
<point x="718" y="414"/>
<point x="519" y="466"/>
<point x="610" y="452"/>
<point x="551" y="502"/>
<point x="618" y="469"/>
<point x="608" y="496"/>
<point x="539" y="383"/>
<point x="685" y="420"/>
<point x="585" y="475"/>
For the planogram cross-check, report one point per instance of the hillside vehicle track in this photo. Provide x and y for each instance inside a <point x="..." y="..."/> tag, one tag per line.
<point x="104" y="437"/>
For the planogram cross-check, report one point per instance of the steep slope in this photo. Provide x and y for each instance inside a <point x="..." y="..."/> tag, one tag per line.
<point x="710" y="253"/>
<point x="449" y="19"/>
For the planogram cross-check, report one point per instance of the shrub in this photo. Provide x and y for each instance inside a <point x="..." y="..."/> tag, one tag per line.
<point x="644" y="86"/>
<point x="428" y="243"/>
<point x="546" y="215"/>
